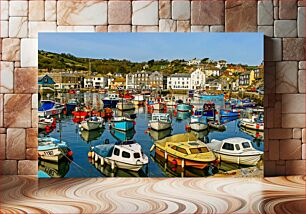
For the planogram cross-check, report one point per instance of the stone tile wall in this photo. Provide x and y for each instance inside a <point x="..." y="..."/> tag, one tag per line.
<point x="282" y="21"/>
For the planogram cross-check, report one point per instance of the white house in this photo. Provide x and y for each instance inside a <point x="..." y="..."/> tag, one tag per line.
<point x="179" y="81"/>
<point x="194" y="62"/>
<point x="98" y="81"/>
<point x="212" y="72"/>
<point x="197" y="79"/>
<point x="130" y="81"/>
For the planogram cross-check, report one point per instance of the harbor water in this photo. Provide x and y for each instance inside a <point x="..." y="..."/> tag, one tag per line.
<point x="81" y="141"/>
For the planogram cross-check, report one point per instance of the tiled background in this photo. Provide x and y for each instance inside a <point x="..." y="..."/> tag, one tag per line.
<point x="282" y="21"/>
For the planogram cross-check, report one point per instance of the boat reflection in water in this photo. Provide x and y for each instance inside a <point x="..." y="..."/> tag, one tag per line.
<point x="123" y="136"/>
<point x="107" y="171"/>
<point x="173" y="170"/>
<point x="158" y="135"/>
<point x="92" y="135"/>
<point x="54" y="169"/>
<point x="201" y="135"/>
<point x="182" y="115"/>
<point x="258" y="135"/>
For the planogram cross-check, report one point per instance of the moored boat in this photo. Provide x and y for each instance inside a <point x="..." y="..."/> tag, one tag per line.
<point x="52" y="149"/>
<point x="252" y="124"/>
<point x="217" y="126"/>
<point x="50" y="108"/>
<point x="236" y="150"/>
<point x="122" y="123"/>
<point x="125" y="105"/>
<point x="123" y="135"/>
<point x="45" y="121"/>
<point x="160" y="121"/>
<point x="111" y="101"/>
<point x="92" y="123"/>
<point x="185" y="150"/>
<point x="229" y="113"/>
<point x="126" y="155"/>
<point x="138" y="99"/>
<point x="184" y="107"/>
<point x="198" y="123"/>
<point x="71" y="105"/>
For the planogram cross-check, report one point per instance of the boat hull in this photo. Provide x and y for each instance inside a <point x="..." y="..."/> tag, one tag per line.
<point x="79" y="114"/>
<point x="125" y="106"/>
<point x="160" y="125"/>
<point x="228" y="113"/>
<point x="251" y="125"/>
<point x="110" y="103"/>
<point x="91" y="125"/>
<point x="122" y="125"/>
<point x="197" y="126"/>
<point x="190" y="163"/>
<point x="43" y="125"/>
<point x="183" y="107"/>
<point x="122" y="165"/>
<point x="250" y="160"/>
<point x="53" y="155"/>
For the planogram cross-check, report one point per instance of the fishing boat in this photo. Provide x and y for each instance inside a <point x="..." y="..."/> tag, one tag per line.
<point x="182" y="115"/>
<point x="45" y="121"/>
<point x="111" y="101"/>
<point x="185" y="150"/>
<point x="160" y="121"/>
<point x="236" y="150"/>
<point x="71" y="104"/>
<point x="122" y="123"/>
<point x="158" y="135"/>
<point x="216" y="125"/>
<point x="123" y="136"/>
<point x="229" y="113"/>
<point x="52" y="149"/>
<point x="105" y="113"/>
<point x="198" y="123"/>
<point x="92" y="123"/>
<point x="125" y="105"/>
<point x="138" y="99"/>
<point x="126" y="155"/>
<point x="50" y="108"/>
<point x="184" y="107"/>
<point x="81" y="112"/>
<point x="212" y="97"/>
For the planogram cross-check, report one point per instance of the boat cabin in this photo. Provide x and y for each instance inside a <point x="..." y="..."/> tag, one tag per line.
<point x="187" y="148"/>
<point x="236" y="145"/>
<point x="160" y="117"/>
<point x="113" y="96"/>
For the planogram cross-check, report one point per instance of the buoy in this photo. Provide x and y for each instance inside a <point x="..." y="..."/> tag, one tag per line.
<point x="89" y="154"/>
<point x="69" y="153"/>
<point x="92" y="155"/>
<point x="174" y="162"/>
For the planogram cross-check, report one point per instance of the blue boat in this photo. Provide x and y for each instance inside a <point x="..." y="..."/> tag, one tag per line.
<point x="212" y="97"/>
<point x="122" y="123"/>
<point x="123" y="136"/>
<point x="229" y="113"/>
<point x="71" y="104"/>
<point x="224" y="120"/>
<point x="49" y="108"/>
<point x="182" y="115"/>
<point x="110" y="101"/>
<point x="184" y="107"/>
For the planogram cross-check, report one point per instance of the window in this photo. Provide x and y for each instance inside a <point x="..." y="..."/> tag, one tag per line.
<point x="237" y="146"/>
<point x="126" y="154"/>
<point x="181" y="150"/>
<point x="198" y="150"/>
<point x="116" y="151"/>
<point x="228" y="146"/>
<point x="136" y="155"/>
<point x="246" y="145"/>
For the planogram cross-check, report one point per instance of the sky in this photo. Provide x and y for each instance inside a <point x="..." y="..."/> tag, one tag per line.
<point x="244" y="48"/>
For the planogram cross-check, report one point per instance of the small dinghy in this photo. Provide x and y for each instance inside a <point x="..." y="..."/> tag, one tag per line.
<point x="52" y="149"/>
<point x="160" y="121"/>
<point x="45" y="121"/>
<point x="217" y="126"/>
<point x="198" y="123"/>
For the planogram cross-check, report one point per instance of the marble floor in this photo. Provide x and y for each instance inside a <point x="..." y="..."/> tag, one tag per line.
<point x="142" y="195"/>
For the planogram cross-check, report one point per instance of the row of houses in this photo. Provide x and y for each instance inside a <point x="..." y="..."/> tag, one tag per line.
<point x="197" y="79"/>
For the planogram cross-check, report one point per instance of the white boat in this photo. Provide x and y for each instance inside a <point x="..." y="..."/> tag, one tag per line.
<point x="52" y="149"/>
<point x="138" y="99"/>
<point x="160" y="121"/>
<point x="158" y="106"/>
<point x="252" y="123"/>
<point x="92" y="123"/>
<point x="198" y="123"/>
<point x="236" y="150"/>
<point x="125" y="105"/>
<point x="127" y="155"/>
<point x="50" y="108"/>
<point x="44" y="122"/>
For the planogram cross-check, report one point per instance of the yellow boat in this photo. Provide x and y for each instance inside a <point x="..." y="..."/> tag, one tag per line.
<point x="185" y="150"/>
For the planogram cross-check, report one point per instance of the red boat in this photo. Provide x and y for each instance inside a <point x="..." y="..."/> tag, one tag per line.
<point x="80" y="114"/>
<point x="105" y="113"/>
<point x="72" y="91"/>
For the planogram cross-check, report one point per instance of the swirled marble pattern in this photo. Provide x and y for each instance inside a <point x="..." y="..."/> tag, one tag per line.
<point x="143" y="195"/>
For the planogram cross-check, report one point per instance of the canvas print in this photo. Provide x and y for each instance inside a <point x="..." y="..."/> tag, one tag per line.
<point x="150" y="105"/>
